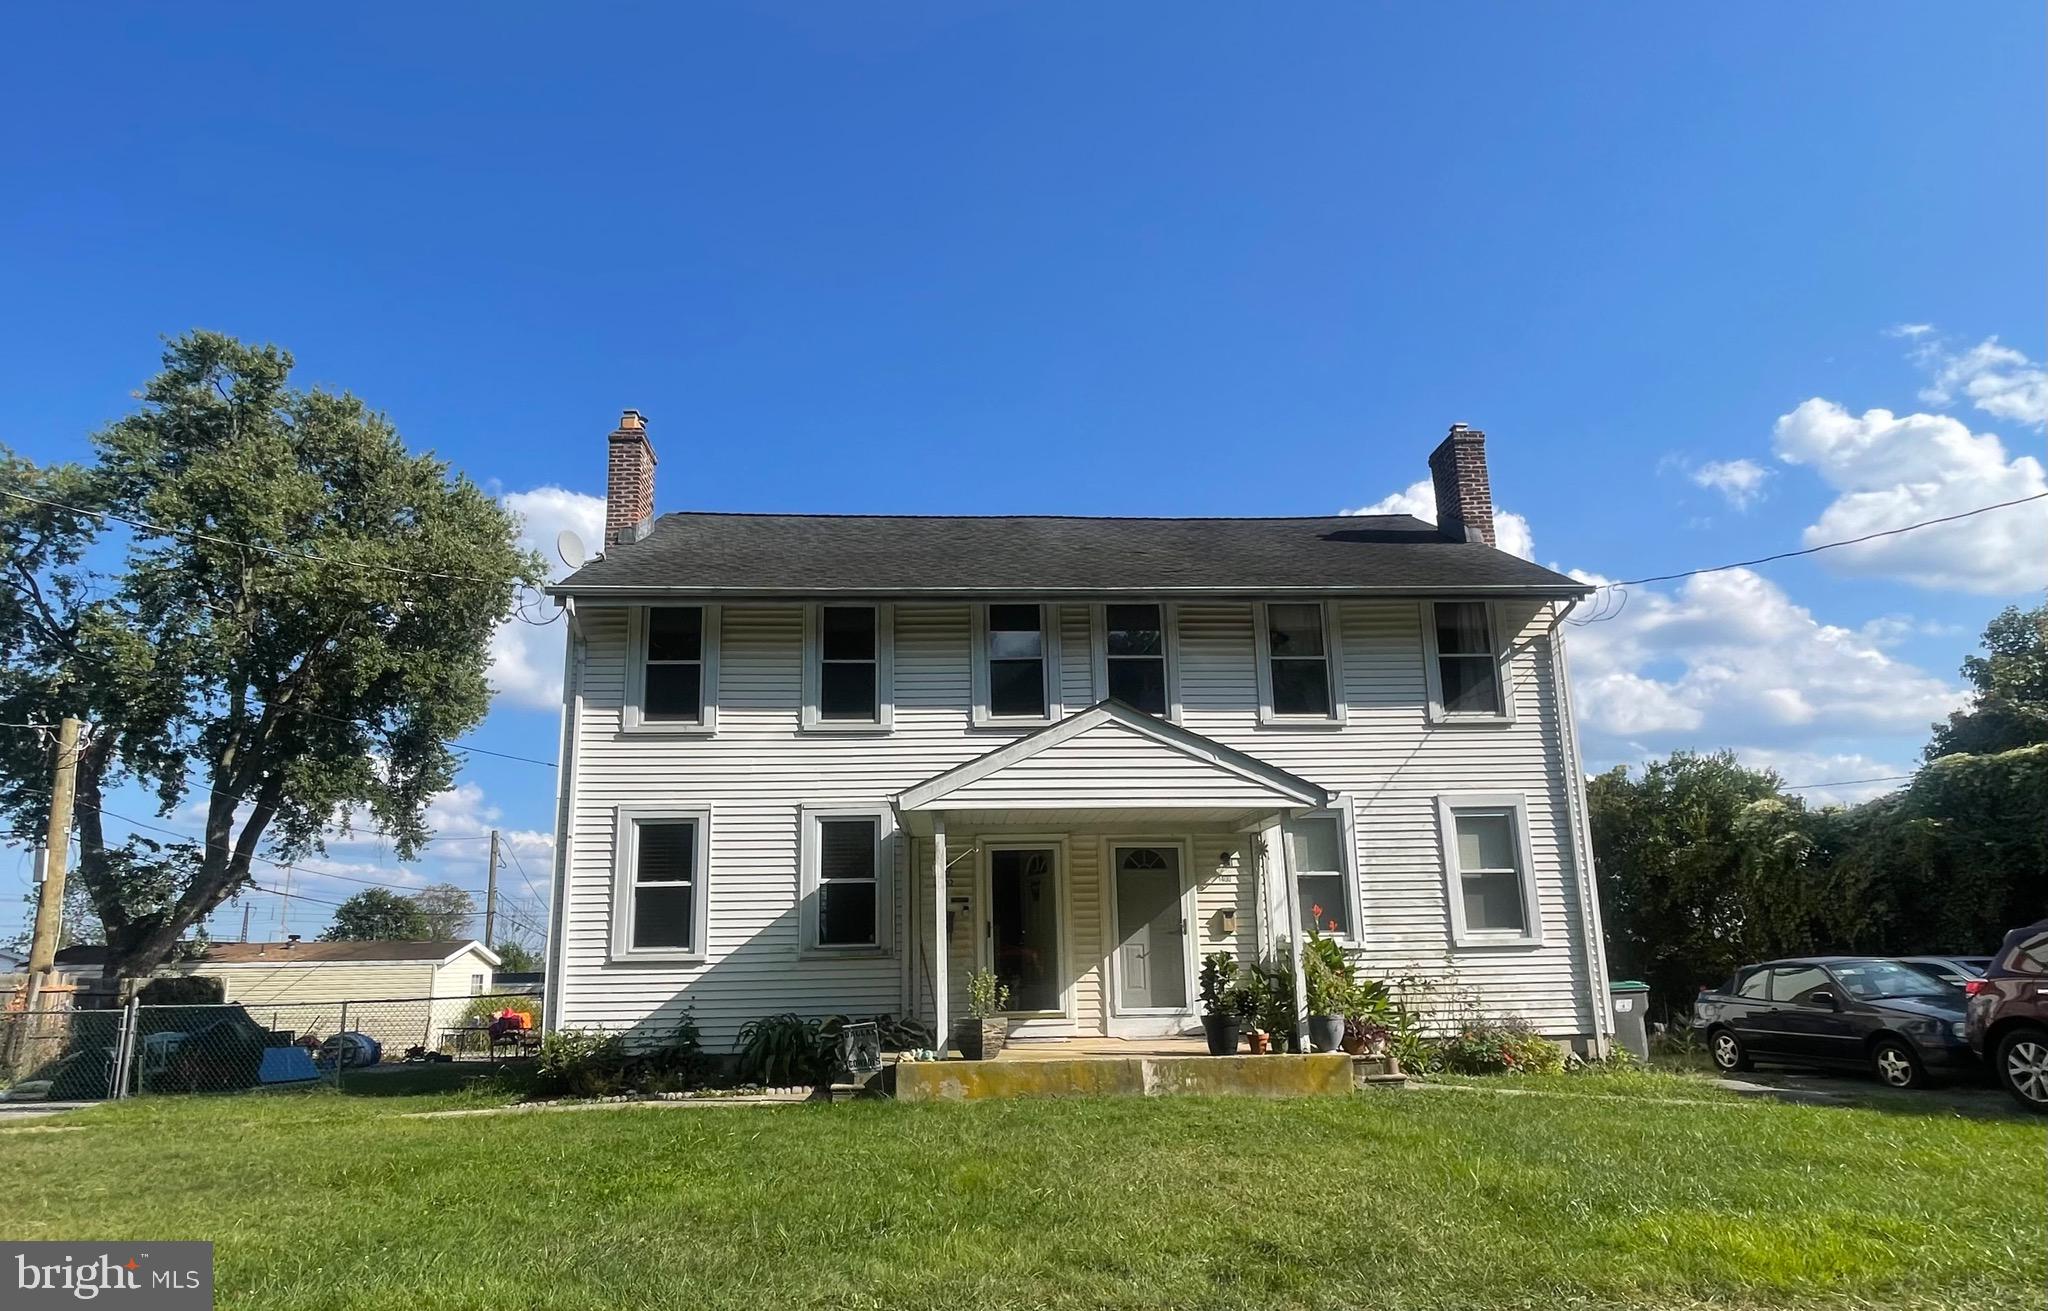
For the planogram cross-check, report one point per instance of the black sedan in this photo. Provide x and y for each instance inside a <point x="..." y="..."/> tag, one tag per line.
<point x="1836" y="1012"/>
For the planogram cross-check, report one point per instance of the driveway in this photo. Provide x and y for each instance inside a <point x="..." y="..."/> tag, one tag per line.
<point x="1975" y="1098"/>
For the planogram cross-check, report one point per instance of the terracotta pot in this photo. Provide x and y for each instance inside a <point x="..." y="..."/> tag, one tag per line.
<point x="1262" y="1042"/>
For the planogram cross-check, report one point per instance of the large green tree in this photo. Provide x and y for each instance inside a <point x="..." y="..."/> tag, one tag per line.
<point x="1703" y="864"/>
<point x="2010" y="707"/>
<point x="374" y="915"/>
<point x="448" y="909"/>
<point x="261" y="603"/>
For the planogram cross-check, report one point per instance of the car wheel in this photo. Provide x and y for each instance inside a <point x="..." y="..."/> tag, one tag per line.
<point x="1730" y="1056"/>
<point x="2023" y="1068"/>
<point x="1896" y="1065"/>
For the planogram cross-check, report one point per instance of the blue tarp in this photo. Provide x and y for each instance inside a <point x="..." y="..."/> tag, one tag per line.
<point x="286" y="1065"/>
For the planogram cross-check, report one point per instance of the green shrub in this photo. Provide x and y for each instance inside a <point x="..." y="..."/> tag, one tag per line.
<point x="580" y="1063"/>
<point x="986" y="996"/>
<point x="1507" y="1046"/>
<point x="482" y="1010"/>
<point x="183" y="990"/>
<point x="779" y="1051"/>
<point x="677" y="1063"/>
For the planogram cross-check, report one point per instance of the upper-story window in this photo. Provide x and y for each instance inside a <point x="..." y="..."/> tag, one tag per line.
<point x="1135" y="650"/>
<point x="847" y="667"/>
<point x="672" y="674"/>
<point x="1016" y="665"/>
<point x="1462" y="655"/>
<point x="1489" y="870"/>
<point x="1299" y="681"/>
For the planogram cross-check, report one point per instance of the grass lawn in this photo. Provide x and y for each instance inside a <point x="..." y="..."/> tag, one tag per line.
<point x="1417" y="1199"/>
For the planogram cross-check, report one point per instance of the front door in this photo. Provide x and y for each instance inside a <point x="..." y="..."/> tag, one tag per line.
<point x="1024" y="927"/>
<point x="1151" y="928"/>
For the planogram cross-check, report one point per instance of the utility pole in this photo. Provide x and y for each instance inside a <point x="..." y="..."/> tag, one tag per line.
<point x="491" y="894"/>
<point x="284" y="903"/>
<point x="42" y="951"/>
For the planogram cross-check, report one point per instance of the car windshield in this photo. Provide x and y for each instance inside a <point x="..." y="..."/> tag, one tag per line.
<point x="1871" y="979"/>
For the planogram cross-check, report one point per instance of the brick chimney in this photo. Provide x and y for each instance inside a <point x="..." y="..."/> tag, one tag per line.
<point x="1464" y="497"/>
<point x="629" y="481"/>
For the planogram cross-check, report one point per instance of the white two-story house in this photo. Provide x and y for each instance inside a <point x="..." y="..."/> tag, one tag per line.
<point x="833" y="764"/>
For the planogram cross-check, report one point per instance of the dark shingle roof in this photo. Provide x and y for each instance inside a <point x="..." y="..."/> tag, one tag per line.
<point x="797" y="554"/>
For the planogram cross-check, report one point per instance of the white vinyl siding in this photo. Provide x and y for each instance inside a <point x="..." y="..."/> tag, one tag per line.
<point x="761" y="769"/>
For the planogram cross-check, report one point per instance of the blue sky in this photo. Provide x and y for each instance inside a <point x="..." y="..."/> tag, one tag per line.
<point x="1118" y="259"/>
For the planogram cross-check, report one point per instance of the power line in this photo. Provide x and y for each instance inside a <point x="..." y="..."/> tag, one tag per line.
<point x="1827" y="546"/>
<point x="1842" y="783"/>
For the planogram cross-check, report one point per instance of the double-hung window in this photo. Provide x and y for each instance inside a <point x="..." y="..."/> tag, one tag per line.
<point x="1016" y="664"/>
<point x="1463" y="663"/>
<point x="1321" y="843"/>
<point x="847" y="667"/>
<point x="1136" y="645"/>
<point x="846" y="865"/>
<point x="672" y="675"/>
<point x="1489" y="872"/>
<point x="1298" y="671"/>
<point x="660" y="864"/>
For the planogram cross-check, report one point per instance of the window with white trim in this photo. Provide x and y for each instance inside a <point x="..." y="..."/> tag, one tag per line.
<point x="672" y="678"/>
<point x="846" y="866"/>
<point x="659" y="898"/>
<point x="1016" y="664"/>
<point x="1135" y="638"/>
<point x="1488" y="866"/>
<point x="847" y="667"/>
<point x="1297" y="664"/>
<point x="1323" y="874"/>
<point x="1462" y="652"/>
<point x="476" y="985"/>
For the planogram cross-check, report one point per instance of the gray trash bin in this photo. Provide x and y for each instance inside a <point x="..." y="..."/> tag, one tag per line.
<point x="1631" y="1001"/>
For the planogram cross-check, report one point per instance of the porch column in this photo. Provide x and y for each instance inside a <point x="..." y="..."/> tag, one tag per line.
<point x="940" y="1029"/>
<point x="1291" y="889"/>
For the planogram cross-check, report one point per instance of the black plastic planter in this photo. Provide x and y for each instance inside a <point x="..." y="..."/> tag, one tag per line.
<point x="1221" y="1031"/>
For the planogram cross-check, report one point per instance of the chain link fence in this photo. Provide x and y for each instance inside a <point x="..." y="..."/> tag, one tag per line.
<point x="242" y="1046"/>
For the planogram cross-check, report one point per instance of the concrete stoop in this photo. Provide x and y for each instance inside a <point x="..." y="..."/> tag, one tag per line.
<point x="1316" y="1075"/>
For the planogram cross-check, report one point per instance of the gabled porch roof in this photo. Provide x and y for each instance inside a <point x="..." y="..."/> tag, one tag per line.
<point x="1111" y="757"/>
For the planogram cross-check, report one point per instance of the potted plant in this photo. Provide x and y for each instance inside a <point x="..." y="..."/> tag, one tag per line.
<point x="988" y="1028"/>
<point x="1219" y="1002"/>
<point x="1327" y="973"/>
<point x="1367" y="1027"/>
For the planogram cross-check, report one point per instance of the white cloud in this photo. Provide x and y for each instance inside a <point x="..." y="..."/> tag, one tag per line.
<point x="1909" y="330"/>
<point x="1730" y="657"/>
<point x="1996" y="379"/>
<point x="1510" y="530"/>
<point x="1893" y="470"/>
<point x="1740" y="481"/>
<point x="526" y="658"/>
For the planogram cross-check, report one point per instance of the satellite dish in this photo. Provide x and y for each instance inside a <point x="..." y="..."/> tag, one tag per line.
<point x="570" y="547"/>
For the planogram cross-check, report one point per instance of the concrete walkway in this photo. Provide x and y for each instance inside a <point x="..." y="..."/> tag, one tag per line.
<point x="790" y="1098"/>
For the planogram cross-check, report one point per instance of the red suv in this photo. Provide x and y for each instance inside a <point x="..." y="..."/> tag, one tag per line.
<point x="2007" y="1021"/>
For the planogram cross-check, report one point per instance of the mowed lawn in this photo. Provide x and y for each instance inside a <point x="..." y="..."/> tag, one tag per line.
<point x="1418" y="1199"/>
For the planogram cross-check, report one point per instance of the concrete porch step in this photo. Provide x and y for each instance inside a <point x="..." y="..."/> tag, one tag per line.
<point x="1317" y="1075"/>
